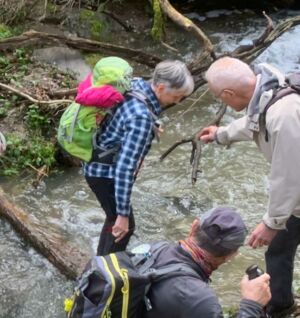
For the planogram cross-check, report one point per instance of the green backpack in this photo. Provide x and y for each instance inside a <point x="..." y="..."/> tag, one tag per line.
<point x="79" y="122"/>
<point x="76" y="129"/>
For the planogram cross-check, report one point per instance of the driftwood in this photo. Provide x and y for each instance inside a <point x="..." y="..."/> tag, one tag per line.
<point x="40" y="38"/>
<point x="196" y="145"/>
<point x="258" y="47"/>
<point x="197" y="67"/>
<point x="248" y="53"/>
<point x="188" y="25"/>
<point x="66" y="257"/>
<point x="30" y="98"/>
<point x="63" y="92"/>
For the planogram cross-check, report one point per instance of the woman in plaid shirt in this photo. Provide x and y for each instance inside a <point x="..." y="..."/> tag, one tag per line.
<point x="129" y="135"/>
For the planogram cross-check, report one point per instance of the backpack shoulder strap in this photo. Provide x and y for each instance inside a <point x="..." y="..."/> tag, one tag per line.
<point x="278" y="94"/>
<point x="173" y="270"/>
<point x="155" y="250"/>
<point x="74" y="120"/>
<point x="139" y="95"/>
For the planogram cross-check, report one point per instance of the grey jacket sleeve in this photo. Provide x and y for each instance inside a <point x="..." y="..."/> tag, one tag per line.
<point x="207" y="305"/>
<point x="250" y="309"/>
<point x="236" y="131"/>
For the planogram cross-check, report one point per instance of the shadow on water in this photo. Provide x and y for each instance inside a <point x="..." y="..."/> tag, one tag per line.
<point x="164" y="200"/>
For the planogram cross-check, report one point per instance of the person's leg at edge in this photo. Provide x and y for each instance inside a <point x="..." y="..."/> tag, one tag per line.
<point x="104" y="190"/>
<point x="280" y="266"/>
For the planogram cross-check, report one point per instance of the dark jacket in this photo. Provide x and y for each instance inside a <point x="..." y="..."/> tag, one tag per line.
<point x="188" y="296"/>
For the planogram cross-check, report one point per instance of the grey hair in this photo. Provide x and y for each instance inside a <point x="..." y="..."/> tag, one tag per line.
<point x="175" y="75"/>
<point x="229" y="73"/>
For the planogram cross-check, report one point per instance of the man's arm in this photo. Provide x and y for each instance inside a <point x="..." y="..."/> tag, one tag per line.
<point x="255" y="295"/>
<point x="204" y="302"/>
<point x="236" y="131"/>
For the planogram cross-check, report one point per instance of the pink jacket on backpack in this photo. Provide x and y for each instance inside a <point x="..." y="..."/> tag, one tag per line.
<point x="104" y="96"/>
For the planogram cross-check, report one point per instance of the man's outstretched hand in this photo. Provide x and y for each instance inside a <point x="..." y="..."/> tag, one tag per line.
<point x="208" y="134"/>
<point x="262" y="235"/>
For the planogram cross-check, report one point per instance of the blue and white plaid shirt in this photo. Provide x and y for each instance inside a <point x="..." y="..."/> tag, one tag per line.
<point x="131" y="127"/>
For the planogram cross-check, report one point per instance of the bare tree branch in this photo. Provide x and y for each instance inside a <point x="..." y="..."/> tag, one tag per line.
<point x="39" y="38"/>
<point x="188" y="25"/>
<point x="196" y="144"/>
<point x="36" y="101"/>
<point x="65" y="256"/>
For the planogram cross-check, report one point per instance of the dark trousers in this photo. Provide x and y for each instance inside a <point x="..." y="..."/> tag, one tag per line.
<point x="104" y="190"/>
<point x="280" y="265"/>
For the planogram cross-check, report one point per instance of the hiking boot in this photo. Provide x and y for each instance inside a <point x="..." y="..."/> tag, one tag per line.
<point x="283" y="313"/>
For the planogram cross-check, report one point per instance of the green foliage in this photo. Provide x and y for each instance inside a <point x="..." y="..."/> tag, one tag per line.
<point x="21" y="153"/>
<point x="5" y="31"/>
<point x="92" y="59"/>
<point x="5" y="105"/>
<point x="4" y="61"/>
<point x="158" y="23"/>
<point x="85" y="15"/>
<point x="15" y="66"/>
<point x="96" y="26"/>
<point x="36" y="120"/>
<point x="51" y="8"/>
<point x="22" y="57"/>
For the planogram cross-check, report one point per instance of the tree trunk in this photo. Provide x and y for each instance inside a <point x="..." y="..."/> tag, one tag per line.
<point x="65" y="256"/>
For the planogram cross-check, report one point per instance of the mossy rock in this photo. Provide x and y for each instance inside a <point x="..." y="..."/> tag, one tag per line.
<point x="95" y="23"/>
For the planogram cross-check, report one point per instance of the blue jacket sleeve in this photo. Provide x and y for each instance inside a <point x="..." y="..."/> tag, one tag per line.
<point x="137" y="139"/>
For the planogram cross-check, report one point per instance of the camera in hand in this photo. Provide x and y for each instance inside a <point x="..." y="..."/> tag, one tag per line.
<point x="254" y="271"/>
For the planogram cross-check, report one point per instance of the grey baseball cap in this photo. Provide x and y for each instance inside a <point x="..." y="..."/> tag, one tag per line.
<point x="225" y="230"/>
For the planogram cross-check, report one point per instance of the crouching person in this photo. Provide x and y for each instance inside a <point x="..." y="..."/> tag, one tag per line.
<point x="212" y="241"/>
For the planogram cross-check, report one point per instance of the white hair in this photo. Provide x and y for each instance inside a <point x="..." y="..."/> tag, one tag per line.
<point x="229" y="73"/>
<point x="175" y="75"/>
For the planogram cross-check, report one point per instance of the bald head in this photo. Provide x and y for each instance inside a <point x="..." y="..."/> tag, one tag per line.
<point x="228" y="72"/>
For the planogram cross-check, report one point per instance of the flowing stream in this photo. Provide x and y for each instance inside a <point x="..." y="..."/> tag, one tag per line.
<point x="164" y="201"/>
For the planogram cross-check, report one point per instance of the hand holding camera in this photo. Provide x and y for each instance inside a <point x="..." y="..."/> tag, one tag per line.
<point x="255" y="285"/>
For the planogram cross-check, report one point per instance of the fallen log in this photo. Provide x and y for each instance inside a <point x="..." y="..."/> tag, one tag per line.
<point x="189" y="26"/>
<point x="62" y="254"/>
<point x="197" y="67"/>
<point x="250" y="53"/>
<point x="32" y="99"/>
<point x="34" y="38"/>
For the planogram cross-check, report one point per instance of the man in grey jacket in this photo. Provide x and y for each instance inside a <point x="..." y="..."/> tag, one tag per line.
<point x="212" y="241"/>
<point x="234" y="82"/>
